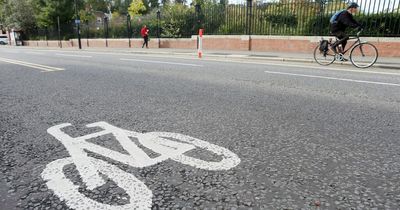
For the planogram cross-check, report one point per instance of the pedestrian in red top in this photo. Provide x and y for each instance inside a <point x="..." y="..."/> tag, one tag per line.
<point x="145" y="34"/>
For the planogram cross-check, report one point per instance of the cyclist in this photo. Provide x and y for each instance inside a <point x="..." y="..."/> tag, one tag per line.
<point x="340" y="22"/>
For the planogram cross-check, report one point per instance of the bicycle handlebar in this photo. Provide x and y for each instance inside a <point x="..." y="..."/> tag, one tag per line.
<point x="359" y="32"/>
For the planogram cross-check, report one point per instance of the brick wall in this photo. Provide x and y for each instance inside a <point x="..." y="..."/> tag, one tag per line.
<point x="387" y="47"/>
<point x="179" y="43"/>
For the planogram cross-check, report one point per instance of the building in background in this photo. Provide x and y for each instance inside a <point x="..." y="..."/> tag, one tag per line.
<point x="15" y="38"/>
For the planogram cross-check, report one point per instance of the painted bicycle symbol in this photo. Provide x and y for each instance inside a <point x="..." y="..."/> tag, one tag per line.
<point x="169" y="146"/>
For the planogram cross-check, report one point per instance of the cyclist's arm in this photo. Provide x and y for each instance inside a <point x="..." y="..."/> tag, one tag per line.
<point x="349" y="20"/>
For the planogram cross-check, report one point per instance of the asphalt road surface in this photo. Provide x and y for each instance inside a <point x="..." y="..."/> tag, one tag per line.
<point x="104" y="130"/>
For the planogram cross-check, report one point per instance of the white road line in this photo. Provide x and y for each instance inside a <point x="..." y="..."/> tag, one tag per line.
<point x="27" y="65"/>
<point x="314" y="66"/>
<point x="162" y="62"/>
<point x="333" y="78"/>
<point x="12" y="52"/>
<point x="34" y="53"/>
<point x="32" y="65"/>
<point x="267" y="63"/>
<point x="79" y="56"/>
<point x="285" y="64"/>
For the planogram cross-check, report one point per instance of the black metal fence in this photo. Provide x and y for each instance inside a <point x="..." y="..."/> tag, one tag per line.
<point x="299" y="17"/>
<point x="281" y="17"/>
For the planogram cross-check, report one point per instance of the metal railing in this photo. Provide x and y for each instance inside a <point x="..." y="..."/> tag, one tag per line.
<point x="299" y="17"/>
<point x="380" y="18"/>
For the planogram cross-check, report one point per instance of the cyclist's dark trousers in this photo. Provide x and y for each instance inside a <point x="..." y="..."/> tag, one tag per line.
<point x="342" y="39"/>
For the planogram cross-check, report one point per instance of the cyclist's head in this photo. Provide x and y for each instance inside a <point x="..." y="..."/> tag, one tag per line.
<point x="353" y="7"/>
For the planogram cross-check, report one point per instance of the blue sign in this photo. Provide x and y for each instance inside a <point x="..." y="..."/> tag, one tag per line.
<point x="77" y="21"/>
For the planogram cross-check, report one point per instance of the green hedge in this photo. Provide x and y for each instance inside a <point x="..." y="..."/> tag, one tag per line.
<point x="374" y="25"/>
<point x="178" y="20"/>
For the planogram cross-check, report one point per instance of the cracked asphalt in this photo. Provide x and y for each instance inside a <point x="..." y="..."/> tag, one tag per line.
<point x="308" y="137"/>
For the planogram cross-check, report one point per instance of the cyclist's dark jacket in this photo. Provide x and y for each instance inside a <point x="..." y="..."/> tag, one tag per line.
<point x="344" y="20"/>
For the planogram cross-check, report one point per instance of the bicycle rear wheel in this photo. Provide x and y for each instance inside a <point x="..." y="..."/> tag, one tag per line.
<point x="322" y="58"/>
<point x="364" y="55"/>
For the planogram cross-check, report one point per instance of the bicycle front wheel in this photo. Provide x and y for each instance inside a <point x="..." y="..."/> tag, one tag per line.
<point x="364" y="55"/>
<point x="324" y="58"/>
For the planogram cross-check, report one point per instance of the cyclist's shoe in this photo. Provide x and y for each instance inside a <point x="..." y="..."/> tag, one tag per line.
<point x="340" y="57"/>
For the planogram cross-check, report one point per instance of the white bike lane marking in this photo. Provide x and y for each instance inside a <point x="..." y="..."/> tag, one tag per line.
<point x="89" y="167"/>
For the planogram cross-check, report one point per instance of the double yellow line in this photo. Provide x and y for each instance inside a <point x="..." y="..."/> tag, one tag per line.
<point x="32" y="65"/>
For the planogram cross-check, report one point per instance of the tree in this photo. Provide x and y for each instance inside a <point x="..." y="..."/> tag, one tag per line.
<point x="47" y="11"/>
<point x="154" y="3"/>
<point x="165" y="2"/>
<point x="335" y="5"/>
<point x="2" y="12"/>
<point x="177" y="20"/>
<point x="121" y="6"/>
<point x="180" y="1"/>
<point x="97" y="5"/>
<point x="17" y="14"/>
<point x="137" y="7"/>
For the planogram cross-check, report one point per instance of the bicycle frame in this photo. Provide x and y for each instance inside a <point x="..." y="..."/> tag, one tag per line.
<point x="354" y="44"/>
<point x="357" y="37"/>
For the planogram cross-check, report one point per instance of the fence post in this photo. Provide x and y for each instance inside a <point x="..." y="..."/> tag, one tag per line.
<point x="321" y="14"/>
<point x="45" y="36"/>
<point x="197" y="26"/>
<point x="59" y="32"/>
<point x="87" y="32"/>
<point x="128" y="26"/>
<point x="106" y="29"/>
<point x="158" y="26"/>
<point x="249" y="15"/>
<point x="78" y="23"/>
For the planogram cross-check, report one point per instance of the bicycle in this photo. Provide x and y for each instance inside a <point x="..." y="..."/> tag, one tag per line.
<point x="362" y="54"/>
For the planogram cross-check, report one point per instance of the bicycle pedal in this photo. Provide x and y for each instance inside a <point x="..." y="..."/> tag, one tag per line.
<point x="340" y="57"/>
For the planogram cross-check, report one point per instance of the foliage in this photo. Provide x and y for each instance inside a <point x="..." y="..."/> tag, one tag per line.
<point x="382" y="24"/>
<point x="17" y="14"/>
<point x="47" y="11"/>
<point x="210" y="17"/>
<point x="279" y="17"/>
<point x="97" y="5"/>
<point x="121" y="6"/>
<point x="154" y="4"/>
<point x="178" y="21"/>
<point x="136" y="8"/>
<point x="231" y="25"/>
<point x="377" y="25"/>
